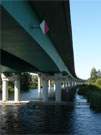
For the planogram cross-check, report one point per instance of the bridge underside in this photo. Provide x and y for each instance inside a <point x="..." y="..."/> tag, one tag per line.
<point x="24" y="49"/>
<point x="57" y="15"/>
<point x="19" y="51"/>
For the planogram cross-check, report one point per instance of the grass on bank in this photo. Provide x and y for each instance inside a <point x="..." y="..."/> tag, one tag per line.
<point x="93" y="95"/>
<point x="96" y="82"/>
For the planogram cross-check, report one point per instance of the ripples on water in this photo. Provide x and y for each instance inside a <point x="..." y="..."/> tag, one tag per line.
<point x="30" y="120"/>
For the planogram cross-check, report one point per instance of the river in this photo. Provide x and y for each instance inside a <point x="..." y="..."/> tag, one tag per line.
<point x="32" y="120"/>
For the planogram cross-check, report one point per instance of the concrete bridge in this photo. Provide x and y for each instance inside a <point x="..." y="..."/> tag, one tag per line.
<point x="36" y="36"/>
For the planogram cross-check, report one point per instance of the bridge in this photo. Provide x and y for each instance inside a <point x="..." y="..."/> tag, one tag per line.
<point x="36" y="36"/>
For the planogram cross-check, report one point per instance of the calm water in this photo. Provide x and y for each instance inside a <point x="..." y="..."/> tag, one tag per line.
<point x="32" y="120"/>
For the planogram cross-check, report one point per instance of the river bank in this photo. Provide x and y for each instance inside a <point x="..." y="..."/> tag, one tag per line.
<point x="92" y="94"/>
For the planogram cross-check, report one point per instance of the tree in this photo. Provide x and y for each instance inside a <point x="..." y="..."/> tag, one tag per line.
<point x="34" y="83"/>
<point x="26" y="81"/>
<point x="93" y="73"/>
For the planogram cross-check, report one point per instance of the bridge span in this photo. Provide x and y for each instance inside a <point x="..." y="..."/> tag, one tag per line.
<point x="36" y="36"/>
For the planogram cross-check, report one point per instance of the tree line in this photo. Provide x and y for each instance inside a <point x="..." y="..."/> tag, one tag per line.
<point x="95" y="77"/>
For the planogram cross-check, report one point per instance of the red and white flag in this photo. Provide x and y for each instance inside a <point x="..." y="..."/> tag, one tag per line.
<point x="44" y="27"/>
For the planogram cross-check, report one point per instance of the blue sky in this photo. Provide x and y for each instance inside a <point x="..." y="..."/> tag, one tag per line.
<point x="86" y="31"/>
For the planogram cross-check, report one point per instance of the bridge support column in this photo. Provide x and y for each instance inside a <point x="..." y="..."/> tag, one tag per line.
<point x="75" y="83"/>
<point x="58" y="91"/>
<point x="58" y="88"/>
<point x="69" y="84"/>
<point x="49" y="86"/>
<point x="65" y="84"/>
<point x="17" y="89"/>
<point x="39" y="86"/>
<point x="4" y="88"/>
<point x="54" y="87"/>
<point x="72" y="83"/>
<point x="45" y="88"/>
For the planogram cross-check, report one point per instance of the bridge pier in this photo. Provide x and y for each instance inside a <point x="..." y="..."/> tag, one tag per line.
<point x="75" y="83"/>
<point x="17" y="89"/>
<point x="54" y="87"/>
<point x="39" y="86"/>
<point x="68" y="83"/>
<point x="16" y="80"/>
<point x="4" y="88"/>
<point x="65" y="84"/>
<point x="58" y="88"/>
<point x="49" y="86"/>
<point x="45" y="88"/>
<point x="58" y="91"/>
<point x="71" y="84"/>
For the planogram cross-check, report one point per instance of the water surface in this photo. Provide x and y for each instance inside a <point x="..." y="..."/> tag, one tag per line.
<point x="30" y="120"/>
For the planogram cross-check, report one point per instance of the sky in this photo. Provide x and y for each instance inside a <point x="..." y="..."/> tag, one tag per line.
<point x="86" y="32"/>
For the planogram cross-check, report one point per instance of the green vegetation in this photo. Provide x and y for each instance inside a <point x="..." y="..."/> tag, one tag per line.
<point x="93" y="95"/>
<point x="98" y="82"/>
<point x="95" y="78"/>
<point x="27" y="82"/>
<point x="92" y="91"/>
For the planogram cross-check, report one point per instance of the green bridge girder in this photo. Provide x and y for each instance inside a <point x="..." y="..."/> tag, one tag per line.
<point x="26" y="43"/>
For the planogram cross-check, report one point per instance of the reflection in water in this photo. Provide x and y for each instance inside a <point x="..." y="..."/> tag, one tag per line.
<point x="46" y="119"/>
<point x="77" y="120"/>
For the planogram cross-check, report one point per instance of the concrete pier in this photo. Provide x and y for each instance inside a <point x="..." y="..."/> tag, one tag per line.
<point x="17" y="90"/>
<point x="49" y="86"/>
<point x="45" y="88"/>
<point x="58" y="91"/>
<point x="39" y="86"/>
<point x="4" y="88"/>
